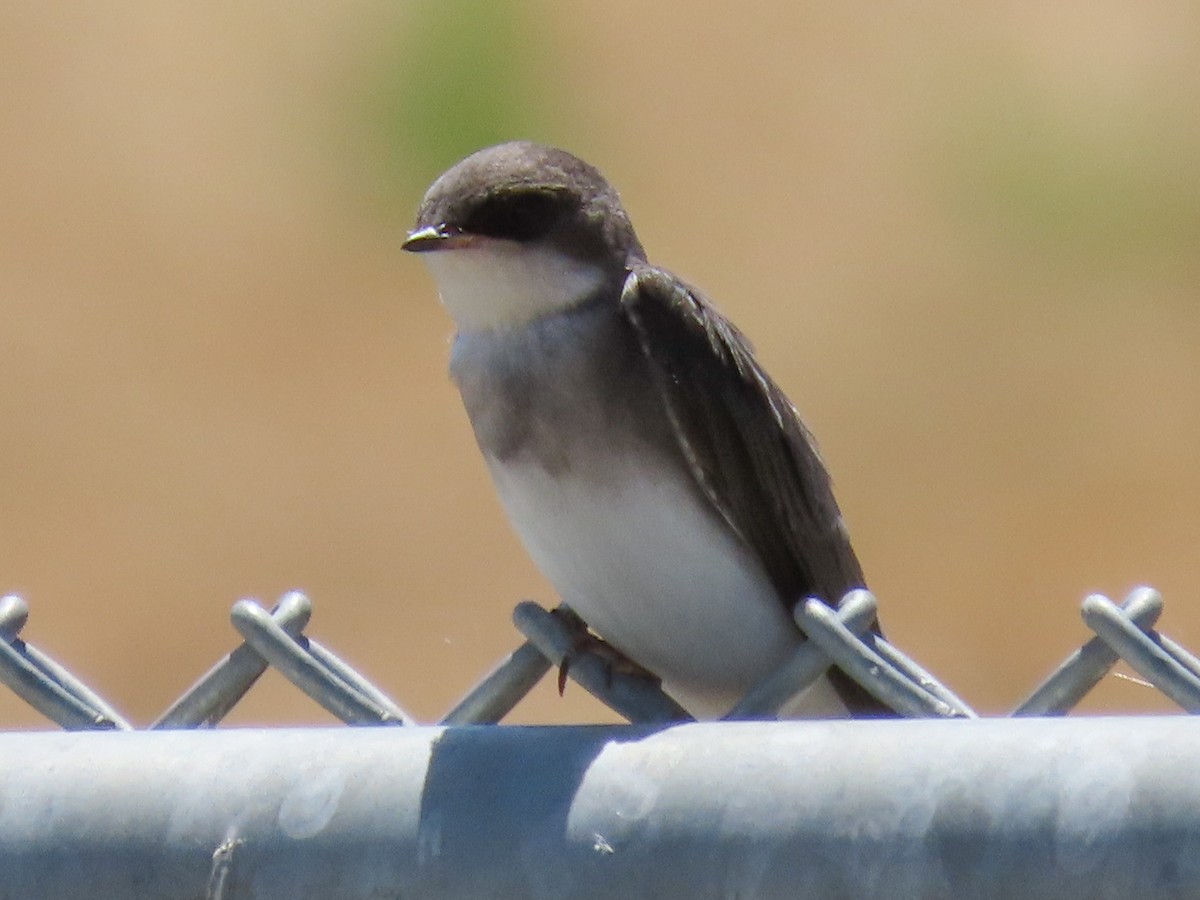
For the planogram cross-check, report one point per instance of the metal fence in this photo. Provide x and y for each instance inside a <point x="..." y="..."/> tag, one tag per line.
<point x="1042" y="807"/>
<point x="842" y="636"/>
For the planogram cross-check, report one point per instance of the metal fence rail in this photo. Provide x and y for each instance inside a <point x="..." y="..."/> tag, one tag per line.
<point x="991" y="808"/>
<point x="940" y="804"/>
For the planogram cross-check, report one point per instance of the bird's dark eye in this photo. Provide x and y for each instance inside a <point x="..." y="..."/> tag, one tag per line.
<point x="516" y="216"/>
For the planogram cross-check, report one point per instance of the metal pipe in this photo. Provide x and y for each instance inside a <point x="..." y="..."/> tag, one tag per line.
<point x="1031" y="808"/>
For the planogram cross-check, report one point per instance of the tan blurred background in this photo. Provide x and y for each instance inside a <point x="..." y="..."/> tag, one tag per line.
<point x="964" y="240"/>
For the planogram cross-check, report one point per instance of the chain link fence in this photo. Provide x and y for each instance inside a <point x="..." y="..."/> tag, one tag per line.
<point x="842" y="636"/>
<point x="1041" y="807"/>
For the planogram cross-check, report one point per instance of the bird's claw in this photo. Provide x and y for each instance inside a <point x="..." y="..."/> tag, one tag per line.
<point x="583" y="642"/>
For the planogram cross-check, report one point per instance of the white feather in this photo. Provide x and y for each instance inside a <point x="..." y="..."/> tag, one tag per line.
<point x="654" y="573"/>
<point x="498" y="283"/>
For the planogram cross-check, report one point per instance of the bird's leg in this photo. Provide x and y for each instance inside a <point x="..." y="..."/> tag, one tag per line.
<point x="583" y="641"/>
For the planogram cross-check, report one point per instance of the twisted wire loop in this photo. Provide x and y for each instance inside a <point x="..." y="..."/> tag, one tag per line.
<point x="841" y="636"/>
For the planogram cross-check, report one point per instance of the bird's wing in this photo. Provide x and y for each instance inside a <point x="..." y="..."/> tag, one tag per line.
<point x="746" y="447"/>
<point x="743" y="440"/>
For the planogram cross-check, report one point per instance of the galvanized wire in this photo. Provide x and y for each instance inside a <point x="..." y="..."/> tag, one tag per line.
<point x="1142" y="650"/>
<point x="315" y="671"/>
<point x="45" y="685"/>
<point x="857" y="612"/>
<point x="1066" y="687"/>
<point x="560" y="636"/>
<point x="843" y="636"/>
<point x="211" y="698"/>
<point x="501" y="689"/>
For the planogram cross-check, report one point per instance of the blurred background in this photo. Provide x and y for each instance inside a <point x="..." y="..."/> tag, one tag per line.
<point x="964" y="239"/>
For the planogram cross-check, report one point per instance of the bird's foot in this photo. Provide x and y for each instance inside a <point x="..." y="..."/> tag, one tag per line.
<point x="584" y="641"/>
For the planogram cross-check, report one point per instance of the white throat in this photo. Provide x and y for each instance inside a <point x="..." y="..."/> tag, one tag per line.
<point x="497" y="283"/>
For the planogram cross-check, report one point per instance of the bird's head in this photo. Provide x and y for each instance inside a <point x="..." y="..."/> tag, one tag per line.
<point x="518" y="231"/>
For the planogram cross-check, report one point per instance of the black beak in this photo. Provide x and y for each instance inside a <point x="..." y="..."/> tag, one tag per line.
<point x="435" y="237"/>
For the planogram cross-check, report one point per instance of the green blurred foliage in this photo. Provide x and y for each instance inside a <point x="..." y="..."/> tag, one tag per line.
<point x="1082" y="186"/>
<point x="457" y="76"/>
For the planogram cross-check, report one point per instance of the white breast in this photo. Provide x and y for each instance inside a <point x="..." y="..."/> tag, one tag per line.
<point x="655" y="573"/>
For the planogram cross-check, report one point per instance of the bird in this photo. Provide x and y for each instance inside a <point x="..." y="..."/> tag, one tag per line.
<point x="657" y="476"/>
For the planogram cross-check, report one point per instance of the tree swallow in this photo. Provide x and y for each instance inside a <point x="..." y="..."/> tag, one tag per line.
<point x="654" y="472"/>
